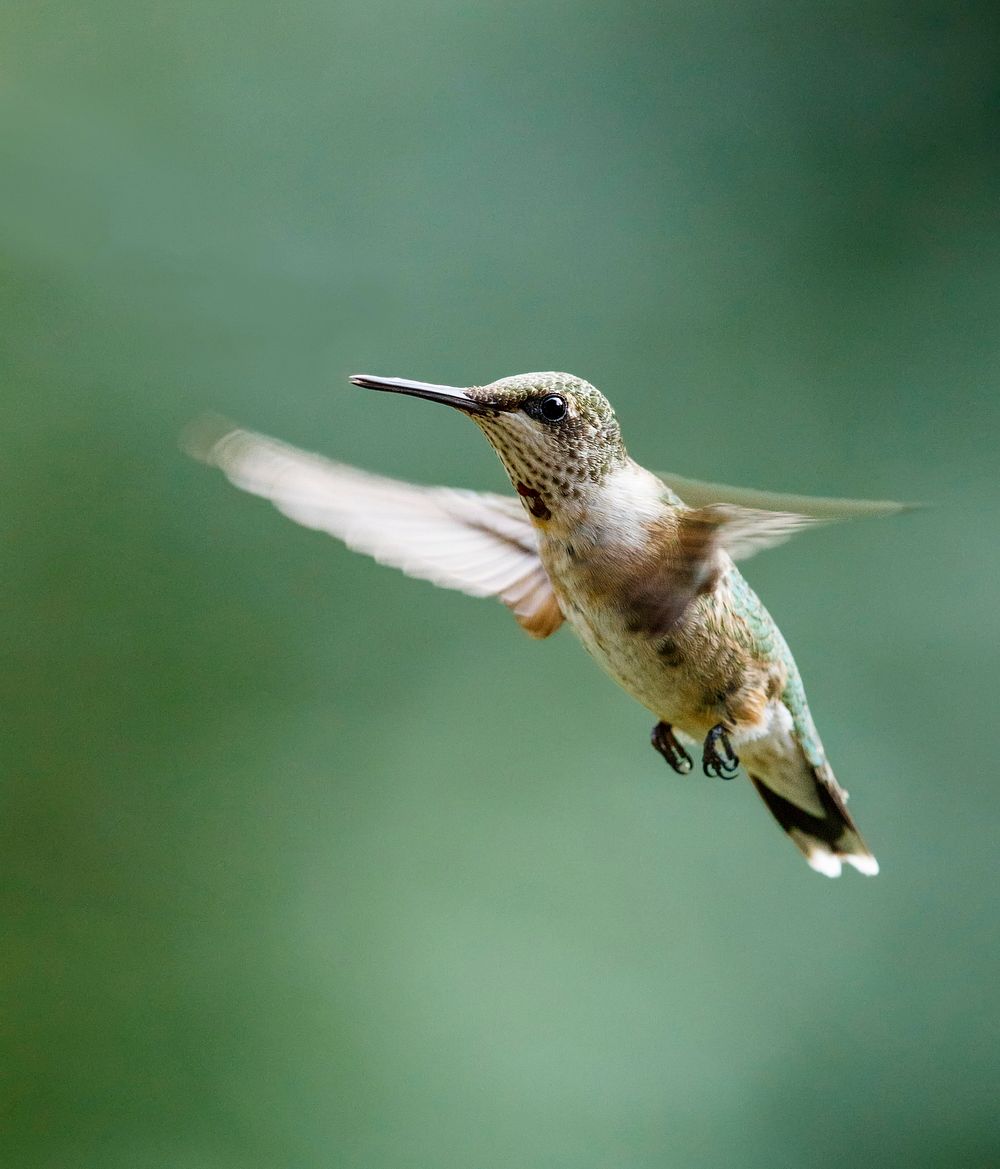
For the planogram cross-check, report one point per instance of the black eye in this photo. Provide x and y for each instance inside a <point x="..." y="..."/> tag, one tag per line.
<point x="553" y="408"/>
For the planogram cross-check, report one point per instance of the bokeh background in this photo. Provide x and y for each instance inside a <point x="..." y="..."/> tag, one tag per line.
<point x="305" y="864"/>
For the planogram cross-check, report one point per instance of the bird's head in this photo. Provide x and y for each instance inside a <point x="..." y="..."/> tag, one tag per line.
<point x="556" y="435"/>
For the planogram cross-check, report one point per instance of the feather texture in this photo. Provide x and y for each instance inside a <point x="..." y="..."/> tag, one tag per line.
<point x="479" y="543"/>
<point x="696" y="493"/>
<point x="742" y="531"/>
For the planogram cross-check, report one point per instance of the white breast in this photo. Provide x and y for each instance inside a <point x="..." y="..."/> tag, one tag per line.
<point x="611" y="520"/>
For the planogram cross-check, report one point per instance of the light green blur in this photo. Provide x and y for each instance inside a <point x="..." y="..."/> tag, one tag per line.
<point x="305" y="865"/>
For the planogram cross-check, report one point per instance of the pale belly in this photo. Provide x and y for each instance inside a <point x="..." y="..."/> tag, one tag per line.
<point x="697" y="674"/>
<point x="671" y="692"/>
<point x="703" y="673"/>
<point x="676" y="697"/>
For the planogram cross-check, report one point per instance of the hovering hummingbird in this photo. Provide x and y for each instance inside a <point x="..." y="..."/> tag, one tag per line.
<point x="646" y="579"/>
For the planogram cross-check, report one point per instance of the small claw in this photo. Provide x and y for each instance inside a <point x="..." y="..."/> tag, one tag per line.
<point x="715" y="764"/>
<point x="729" y="766"/>
<point x="663" y="740"/>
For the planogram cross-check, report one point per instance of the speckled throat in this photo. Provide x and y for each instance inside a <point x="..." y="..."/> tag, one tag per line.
<point x="553" y="466"/>
<point x="552" y="460"/>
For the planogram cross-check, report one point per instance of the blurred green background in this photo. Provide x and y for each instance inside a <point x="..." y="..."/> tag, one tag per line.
<point x="306" y="864"/>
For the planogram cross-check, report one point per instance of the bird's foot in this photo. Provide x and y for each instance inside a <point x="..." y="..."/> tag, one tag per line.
<point x="715" y="764"/>
<point x="663" y="739"/>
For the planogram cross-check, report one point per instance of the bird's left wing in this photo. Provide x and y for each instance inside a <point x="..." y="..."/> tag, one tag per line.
<point x="696" y="493"/>
<point x="692" y="559"/>
<point x="740" y="531"/>
<point x="712" y="520"/>
<point x="479" y="543"/>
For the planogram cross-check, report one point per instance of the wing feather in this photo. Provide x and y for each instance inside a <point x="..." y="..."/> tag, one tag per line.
<point x="479" y="543"/>
<point x="743" y="531"/>
<point x="696" y="493"/>
<point x="692" y="557"/>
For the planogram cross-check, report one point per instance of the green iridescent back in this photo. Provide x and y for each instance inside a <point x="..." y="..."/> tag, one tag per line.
<point x="766" y="641"/>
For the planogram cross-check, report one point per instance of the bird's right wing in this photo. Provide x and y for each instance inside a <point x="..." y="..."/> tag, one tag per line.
<point x="480" y="543"/>
<point x="696" y="493"/>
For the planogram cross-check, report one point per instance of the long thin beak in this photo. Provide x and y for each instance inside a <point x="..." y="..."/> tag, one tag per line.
<point x="450" y="395"/>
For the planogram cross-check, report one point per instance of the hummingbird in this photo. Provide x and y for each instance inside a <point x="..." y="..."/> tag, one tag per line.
<point x="640" y="565"/>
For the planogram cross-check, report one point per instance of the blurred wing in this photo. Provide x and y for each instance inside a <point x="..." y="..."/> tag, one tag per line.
<point x="479" y="543"/>
<point x="695" y="493"/>
<point x="690" y="559"/>
<point x="742" y="531"/>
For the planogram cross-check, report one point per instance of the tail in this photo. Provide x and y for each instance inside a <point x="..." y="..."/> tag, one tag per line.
<point x="825" y="833"/>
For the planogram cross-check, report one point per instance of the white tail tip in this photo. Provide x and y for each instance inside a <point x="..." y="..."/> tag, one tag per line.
<point x="831" y="865"/>
<point x="864" y="862"/>
<point x="824" y="862"/>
